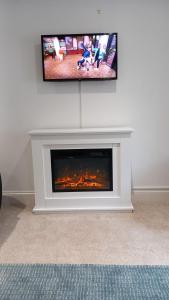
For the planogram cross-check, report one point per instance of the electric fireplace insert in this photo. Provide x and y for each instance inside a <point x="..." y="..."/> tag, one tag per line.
<point x="76" y="170"/>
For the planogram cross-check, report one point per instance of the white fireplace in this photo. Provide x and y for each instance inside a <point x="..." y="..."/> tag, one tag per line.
<point x="90" y="191"/>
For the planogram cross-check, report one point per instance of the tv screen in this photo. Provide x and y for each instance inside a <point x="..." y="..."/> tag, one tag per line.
<point x="79" y="56"/>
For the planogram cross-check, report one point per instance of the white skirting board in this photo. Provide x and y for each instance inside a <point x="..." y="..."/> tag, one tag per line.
<point x="30" y="195"/>
<point x="134" y="189"/>
<point x="151" y="188"/>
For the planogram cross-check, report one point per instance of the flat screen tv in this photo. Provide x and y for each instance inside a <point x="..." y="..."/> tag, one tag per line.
<point x="90" y="56"/>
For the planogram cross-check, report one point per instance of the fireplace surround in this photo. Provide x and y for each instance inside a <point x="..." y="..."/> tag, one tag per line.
<point x="82" y="169"/>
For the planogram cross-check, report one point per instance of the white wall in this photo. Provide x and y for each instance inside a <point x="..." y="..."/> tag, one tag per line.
<point x="139" y="98"/>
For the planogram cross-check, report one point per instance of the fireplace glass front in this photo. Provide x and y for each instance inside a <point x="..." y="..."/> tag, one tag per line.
<point x="76" y="170"/>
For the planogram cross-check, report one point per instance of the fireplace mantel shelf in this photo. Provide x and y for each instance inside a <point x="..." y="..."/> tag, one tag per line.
<point x="115" y="130"/>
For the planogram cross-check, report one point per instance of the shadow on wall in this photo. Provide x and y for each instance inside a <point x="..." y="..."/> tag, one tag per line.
<point x="69" y="87"/>
<point x="20" y="176"/>
<point x="9" y="217"/>
<point x="99" y="87"/>
<point x="150" y="175"/>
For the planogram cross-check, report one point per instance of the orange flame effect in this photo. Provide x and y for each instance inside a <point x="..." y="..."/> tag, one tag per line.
<point x="84" y="181"/>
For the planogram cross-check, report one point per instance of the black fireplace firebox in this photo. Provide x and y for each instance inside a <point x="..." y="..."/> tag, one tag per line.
<point x="77" y="170"/>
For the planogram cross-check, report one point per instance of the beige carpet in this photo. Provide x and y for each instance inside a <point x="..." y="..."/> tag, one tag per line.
<point x="141" y="237"/>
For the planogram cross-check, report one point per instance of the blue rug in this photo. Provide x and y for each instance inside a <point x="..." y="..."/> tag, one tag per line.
<point x="83" y="282"/>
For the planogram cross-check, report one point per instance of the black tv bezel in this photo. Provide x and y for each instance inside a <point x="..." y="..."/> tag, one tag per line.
<point x="73" y="35"/>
